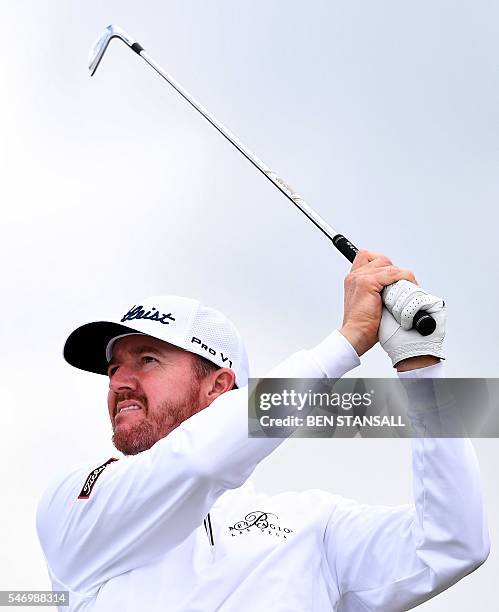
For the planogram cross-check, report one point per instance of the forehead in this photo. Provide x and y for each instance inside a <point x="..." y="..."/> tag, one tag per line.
<point x="139" y="343"/>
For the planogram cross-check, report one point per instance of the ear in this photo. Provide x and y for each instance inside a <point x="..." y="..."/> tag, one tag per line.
<point x="215" y="384"/>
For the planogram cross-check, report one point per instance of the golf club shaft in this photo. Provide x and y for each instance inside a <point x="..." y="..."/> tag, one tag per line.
<point x="423" y="322"/>
<point x="283" y="187"/>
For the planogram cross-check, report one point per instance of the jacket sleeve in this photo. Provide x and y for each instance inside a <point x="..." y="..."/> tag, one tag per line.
<point x="144" y="505"/>
<point x="395" y="558"/>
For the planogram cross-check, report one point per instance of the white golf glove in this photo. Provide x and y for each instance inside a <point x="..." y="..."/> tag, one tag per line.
<point x="403" y="300"/>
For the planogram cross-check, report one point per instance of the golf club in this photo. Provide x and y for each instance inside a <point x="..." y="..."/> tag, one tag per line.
<point x="423" y="322"/>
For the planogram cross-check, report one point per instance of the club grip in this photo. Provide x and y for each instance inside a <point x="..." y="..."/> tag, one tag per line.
<point x="345" y="247"/>
<point x="423" y="322"/>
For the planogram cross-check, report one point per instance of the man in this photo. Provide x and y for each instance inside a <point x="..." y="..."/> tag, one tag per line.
<point x="175" y="526"/>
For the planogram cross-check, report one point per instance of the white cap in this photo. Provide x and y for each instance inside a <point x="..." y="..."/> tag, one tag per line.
<point x="180" y="321"/>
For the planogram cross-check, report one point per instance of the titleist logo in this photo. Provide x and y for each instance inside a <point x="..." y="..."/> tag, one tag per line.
<point x="138" y="312"/>
<point x="92" y="478"/>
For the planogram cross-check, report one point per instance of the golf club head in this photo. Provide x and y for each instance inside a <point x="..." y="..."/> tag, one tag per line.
<point x="99" y="48"/>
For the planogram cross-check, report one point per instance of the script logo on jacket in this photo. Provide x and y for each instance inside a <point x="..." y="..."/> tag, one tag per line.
<point x="92" y="479"/>
<point x="265" y="522"/>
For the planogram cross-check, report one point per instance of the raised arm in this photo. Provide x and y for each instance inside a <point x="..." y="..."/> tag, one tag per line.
<point x="394" y="558"/>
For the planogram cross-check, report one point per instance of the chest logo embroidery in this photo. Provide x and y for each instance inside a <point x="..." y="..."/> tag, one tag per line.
<point x="266" y="522"/>
<point x="92" y="479"/>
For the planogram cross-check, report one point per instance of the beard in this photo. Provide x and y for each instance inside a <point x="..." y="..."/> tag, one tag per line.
<point x="156" y="424"/>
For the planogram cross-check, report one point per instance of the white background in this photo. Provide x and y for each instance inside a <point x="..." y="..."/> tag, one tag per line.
<point x="382" y="115"/>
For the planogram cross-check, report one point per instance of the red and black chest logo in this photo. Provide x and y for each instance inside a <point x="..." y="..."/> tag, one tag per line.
<point x="92" y="479"/>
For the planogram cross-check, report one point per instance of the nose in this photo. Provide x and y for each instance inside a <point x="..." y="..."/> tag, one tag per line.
<point x="123" y="379"/>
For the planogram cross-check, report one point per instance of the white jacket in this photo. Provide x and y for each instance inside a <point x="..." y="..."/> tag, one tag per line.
<point x="179" y="528"/>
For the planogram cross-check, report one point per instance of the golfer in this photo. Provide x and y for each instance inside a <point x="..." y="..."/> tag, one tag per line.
<point x="175" y="524"/>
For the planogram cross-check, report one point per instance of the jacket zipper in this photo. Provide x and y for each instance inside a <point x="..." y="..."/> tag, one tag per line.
<point x="209" y="531"/>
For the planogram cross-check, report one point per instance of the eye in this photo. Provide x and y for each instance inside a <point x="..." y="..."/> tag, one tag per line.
<point x="149" y="359"/>
<point x="111" y="370"/>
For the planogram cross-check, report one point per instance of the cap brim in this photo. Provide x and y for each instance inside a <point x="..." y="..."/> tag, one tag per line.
<point x="85" y="348"/>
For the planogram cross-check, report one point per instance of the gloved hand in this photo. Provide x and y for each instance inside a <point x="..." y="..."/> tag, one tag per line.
<point x="402" y="301"/>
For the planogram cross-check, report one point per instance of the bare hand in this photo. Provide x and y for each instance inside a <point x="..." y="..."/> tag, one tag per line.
<point x="370" y="273"/>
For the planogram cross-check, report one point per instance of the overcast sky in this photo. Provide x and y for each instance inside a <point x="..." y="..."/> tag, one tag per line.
<point x="383" y="116"/>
